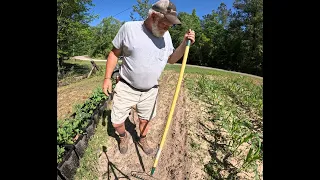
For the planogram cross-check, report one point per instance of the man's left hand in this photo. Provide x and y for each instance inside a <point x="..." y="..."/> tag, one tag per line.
<point x="190" y="35"/>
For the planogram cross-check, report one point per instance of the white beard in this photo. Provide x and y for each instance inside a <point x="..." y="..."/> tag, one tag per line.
<point x="155" y="30"/>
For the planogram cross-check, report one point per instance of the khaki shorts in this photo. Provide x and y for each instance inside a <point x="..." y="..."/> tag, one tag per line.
<point x="125" y="97"/>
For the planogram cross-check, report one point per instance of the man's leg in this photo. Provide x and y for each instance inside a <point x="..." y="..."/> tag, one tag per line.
<point x="144" y="127"/>
<point x="124" y="99"/>
<point x="146" y="109"/>
<point x="120" y="128"/>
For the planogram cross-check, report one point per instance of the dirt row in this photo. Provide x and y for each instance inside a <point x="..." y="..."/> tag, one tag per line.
<point x="176" y="160"/>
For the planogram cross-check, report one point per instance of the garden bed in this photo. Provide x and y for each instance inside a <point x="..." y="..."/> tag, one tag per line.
<point x="74" y="133"/>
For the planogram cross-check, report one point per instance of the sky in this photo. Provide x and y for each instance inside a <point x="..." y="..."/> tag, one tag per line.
<point x="120" y="9"/>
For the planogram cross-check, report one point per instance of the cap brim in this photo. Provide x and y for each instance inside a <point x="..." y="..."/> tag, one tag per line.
<point x="173" y="19"/>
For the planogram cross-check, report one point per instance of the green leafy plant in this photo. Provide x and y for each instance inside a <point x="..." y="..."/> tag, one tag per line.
<point x="235" y="102"/>
<point x="69" y="128"/>
<point x="60" y="152"/>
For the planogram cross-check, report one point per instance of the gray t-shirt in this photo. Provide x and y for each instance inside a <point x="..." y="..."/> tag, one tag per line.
<point x="145" y="55"/>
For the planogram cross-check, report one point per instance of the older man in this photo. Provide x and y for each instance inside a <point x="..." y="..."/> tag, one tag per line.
<point x="146" y="47"/>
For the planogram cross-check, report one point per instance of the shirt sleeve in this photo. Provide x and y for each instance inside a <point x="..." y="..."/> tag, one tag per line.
<point x="119" y="38"/>
<point x="170" y="45"/>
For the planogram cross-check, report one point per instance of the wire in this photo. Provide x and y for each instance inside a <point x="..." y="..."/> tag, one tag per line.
<point x="126" y="9"/>
<point x="104" y="8"/>
<point x="122" y="11"/>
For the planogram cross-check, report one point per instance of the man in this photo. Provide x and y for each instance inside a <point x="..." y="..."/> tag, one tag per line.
<point x="146" y="47"/>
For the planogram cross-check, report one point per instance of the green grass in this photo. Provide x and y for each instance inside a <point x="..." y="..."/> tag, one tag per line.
<point x="195" y="146"/>
<point x="72" y="70"/>
<point x="201" y="71"/>
<point x="80" y="62"/>
<point x="195" y="70"/>
<point x="89" y="162"/>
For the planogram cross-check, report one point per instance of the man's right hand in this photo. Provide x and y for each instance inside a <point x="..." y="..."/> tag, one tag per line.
<point x="111" y="64"/>
<point x="107" y="86"/>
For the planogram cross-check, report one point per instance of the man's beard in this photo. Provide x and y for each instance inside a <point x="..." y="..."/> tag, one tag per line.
<point x="156" y="31"/>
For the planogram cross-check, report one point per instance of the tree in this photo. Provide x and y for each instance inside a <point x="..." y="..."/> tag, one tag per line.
<point x="223" y="15"/>
<point x="72" y="21"/>
<point x="188" y="21"/>
<point x="104" y="34"/>
<point x="142" y="8"/>
<point x="224" y="39"/>
<point x="212" y="34"/>
<point x="250" y="14"/>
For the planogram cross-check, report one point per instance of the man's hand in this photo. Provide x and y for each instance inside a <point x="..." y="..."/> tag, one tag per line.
<point x="178" y="53"/>
<point x="190" y="35"/>
<point x="111" y="64"/>
<point x="107" y="86"/>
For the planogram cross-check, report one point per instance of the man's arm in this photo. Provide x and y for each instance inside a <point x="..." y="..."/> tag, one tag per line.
<point x="112" y="59"/>
<point x="112" y="62"/>
<point x="178" y="53"/>
<point x="110" y="65"/>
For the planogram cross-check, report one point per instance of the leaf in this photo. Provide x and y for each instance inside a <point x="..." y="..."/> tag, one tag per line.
<point x="247" y="138"/>
<point x="249" y="155"/>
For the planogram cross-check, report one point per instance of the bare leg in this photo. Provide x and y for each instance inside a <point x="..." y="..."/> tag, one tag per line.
<point x="123" y="145"/>
<point x="144" y="127"/>
<point x="120" y="128"/>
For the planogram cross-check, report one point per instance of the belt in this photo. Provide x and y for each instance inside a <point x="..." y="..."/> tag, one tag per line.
<point x="142" y="90"/>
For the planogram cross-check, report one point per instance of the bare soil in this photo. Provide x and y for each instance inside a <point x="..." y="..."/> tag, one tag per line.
<point x="175" y="161"/>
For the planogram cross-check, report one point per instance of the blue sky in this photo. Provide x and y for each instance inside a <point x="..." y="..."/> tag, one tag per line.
<point x="121" y="9"/>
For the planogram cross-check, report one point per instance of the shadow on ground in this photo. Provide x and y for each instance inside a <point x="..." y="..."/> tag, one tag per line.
<point x="112" y="168"/>
<point x="215" y="166"/>
<point x="131" y="129"/>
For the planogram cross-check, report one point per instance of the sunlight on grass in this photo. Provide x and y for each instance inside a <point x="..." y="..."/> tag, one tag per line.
<point x="89" y="163"/>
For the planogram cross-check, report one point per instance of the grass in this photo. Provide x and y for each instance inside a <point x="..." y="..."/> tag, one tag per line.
<point x="82" y="63"/>
<point x="89" y="162"/>
<point x="74" y="71"/>
<point x="195" y="70"/>
<point x="195" y="146"/>
<point x="203" y="71"/>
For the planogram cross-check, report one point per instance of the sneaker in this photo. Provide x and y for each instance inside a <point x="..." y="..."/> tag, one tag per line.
<point x="145" y="146"/>
<point x="123" y="145"/>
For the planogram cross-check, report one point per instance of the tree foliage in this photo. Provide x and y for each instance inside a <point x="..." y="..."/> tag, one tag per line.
<point x="104" y="34"/>
<point x="72" y="27"/>
<point x="142" y="9"/>
<point x="225" y="39"/>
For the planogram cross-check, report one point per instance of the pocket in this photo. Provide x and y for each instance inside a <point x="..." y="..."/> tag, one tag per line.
<point x="117" y="87"/>
<point x="162" y="54"/>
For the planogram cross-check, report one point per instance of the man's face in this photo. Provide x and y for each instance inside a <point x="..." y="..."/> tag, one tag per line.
<point x="160" y="26"/>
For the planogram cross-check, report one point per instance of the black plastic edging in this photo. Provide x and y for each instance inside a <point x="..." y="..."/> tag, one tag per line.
<point x="74" y="154"/>
<point x="69" y="167"/>
<point x="59" y="175"/>
<point x="81" y="145"/>
<point x="90" y="129"/>
<point x="96" y="113"/>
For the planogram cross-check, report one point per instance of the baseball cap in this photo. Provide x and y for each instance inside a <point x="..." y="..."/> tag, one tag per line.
<point x="170" y="12"/>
